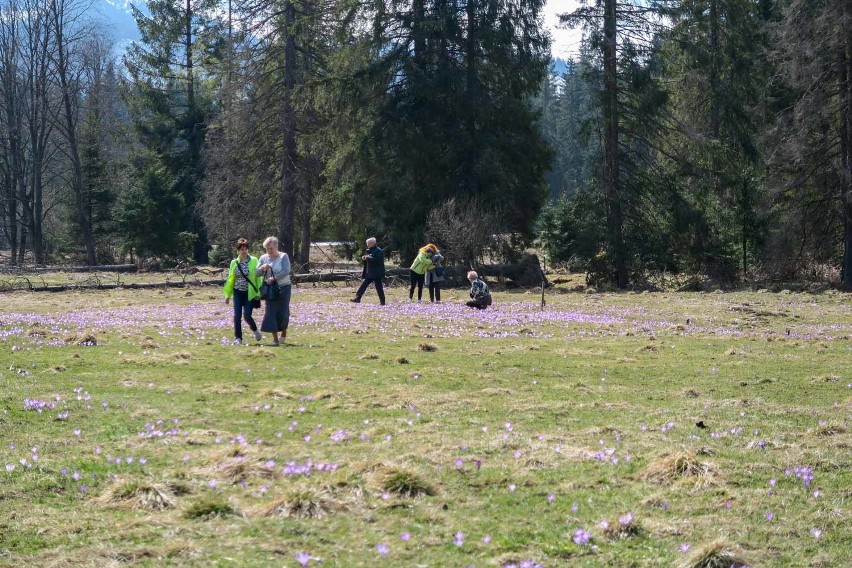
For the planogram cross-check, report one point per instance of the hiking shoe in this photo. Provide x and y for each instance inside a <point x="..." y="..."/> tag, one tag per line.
<point x="238" y="341"/>
<point x="257" y="335"/>
<point x="355" y="300"/>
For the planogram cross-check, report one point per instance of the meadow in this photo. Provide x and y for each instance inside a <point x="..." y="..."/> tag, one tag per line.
<point x="605" y="429"/>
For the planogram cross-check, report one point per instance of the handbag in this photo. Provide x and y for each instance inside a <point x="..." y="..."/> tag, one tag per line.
<point x="270" y="291"/>
<point x="255" y="302"/>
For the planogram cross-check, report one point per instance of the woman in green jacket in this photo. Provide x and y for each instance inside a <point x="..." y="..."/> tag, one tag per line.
<point x="421" y="264"/>
<point x="244" y="287"/>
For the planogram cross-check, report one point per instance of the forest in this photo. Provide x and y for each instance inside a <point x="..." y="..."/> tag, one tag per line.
<point x="699" y="137"/>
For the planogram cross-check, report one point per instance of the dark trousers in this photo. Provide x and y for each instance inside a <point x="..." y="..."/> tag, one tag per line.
<point x="434" y="291"/>
<point x="380" y="289"/>
<point x="479" y="304"/>
<point x="242" y="309"/>
<point x="417" y="280"/>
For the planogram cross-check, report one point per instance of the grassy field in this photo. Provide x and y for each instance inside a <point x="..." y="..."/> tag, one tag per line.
<point x="604" y="430"/>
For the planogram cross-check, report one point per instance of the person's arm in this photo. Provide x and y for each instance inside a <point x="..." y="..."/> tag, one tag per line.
<point x="229" y="283"/>
<point x="263" y="260"/>
<point x="285" y="268"/>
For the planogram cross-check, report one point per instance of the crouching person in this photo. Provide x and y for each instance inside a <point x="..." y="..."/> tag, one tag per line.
<point x="480" y="296"/>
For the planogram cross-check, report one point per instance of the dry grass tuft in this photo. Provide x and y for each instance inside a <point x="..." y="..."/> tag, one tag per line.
<point x="831" y="430"/>
<point x="145" y="495"/>
<point x="824" y="379"/>
<point x="226" y="389"/>
<point x="210" y="508"/>
<point x="716" y="554"/>
<point x="301" y="503"/>
<point x="182" y="356"/>
<point x="262" y="352"/>
<point x="402" y="361"/>
<point x="87" y="339"/>
<point x="405" y="482"/>
<point x="148" y="343"/>
<point x="368" y="356"/>
<point x="242" y="470"/>
<point x="680" y="467"/>
<point x="428" y="347"/>
<point x="624" y="527"/>
<point x="690" y="393"/>
<point x="276" y="394"/>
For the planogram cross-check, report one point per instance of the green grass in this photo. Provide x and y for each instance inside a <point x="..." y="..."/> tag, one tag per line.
<point x="518" y="424"/>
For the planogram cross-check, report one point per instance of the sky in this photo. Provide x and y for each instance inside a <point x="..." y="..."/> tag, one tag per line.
<point x="565" y="42"/>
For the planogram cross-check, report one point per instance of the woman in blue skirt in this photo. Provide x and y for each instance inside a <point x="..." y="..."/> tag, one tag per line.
<point x="275" y="266"/>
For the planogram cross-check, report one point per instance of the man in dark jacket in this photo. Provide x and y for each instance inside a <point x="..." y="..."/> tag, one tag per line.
<point x="374" y="271"/>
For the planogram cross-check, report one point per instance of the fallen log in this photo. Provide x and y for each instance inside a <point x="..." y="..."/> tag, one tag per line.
<point x="122" y="268"/>
<point x="526" y="273"/>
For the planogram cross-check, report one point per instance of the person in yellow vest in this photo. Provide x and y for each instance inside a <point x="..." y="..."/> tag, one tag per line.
<point x="244" y="287"/>
<point x="422" y="263"/>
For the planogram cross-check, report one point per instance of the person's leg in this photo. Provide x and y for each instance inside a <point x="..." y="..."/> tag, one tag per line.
<point x="247" y="314"/>
<point x="432" y="291"/>
<point x="286" y="293"/>
<point x="380" y="290"/>
<point x="361" y="289"/>
<point x="413" y="277"/>
<point x="421" y="278"/>
<point x="240" y="299"/>
<point x="247" y="311"/>
<point x="437" y="291"/>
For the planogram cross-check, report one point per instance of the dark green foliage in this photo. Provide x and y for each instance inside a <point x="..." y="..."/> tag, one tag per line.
<point x="150" y="214"/>
<point x="168" y="100"/>
<point x="450" y="118"/>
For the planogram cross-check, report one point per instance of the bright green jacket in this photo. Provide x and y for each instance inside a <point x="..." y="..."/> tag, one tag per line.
<point x="253" y="291"/>
<point x="422" y="263"/>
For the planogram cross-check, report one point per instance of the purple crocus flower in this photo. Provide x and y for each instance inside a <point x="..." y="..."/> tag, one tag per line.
<point x="458" y="538"/>
<point x="303" y="558"/>
<point x="582" y="536"/>
<point x="382" y="549"/>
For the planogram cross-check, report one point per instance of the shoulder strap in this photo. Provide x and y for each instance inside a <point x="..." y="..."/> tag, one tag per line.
<point x="240" y="268"/>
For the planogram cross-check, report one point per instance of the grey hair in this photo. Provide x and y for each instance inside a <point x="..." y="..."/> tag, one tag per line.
<point x="269" y="240"/>
<point x="371" y="240"/>
<point x="472" y="274"/>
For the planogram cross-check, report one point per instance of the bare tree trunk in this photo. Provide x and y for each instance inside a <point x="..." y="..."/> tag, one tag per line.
<point x="611" y="176"/>
<point x="11" y="143"/>
<point x="305" y="222"/>
<point x="59" y="9"/>
<point x="289" y="161"/>
<point x="846" y="151"/>
<point x="39" y="42"/>
<point x="472" y="85"/>
<point x="713" y="78"/>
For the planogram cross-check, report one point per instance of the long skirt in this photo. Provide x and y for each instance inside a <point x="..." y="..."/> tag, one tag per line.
<point x="276" y="318"/>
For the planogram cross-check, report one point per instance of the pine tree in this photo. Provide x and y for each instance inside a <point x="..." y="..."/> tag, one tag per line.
<point x="168" y="99"/>
<point x="443" y="110"/>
